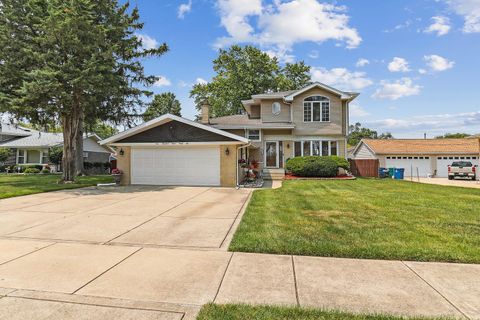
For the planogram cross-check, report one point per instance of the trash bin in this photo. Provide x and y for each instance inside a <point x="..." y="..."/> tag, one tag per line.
<point x="382" y="172"/>
<point x="391" y="172"/>
<point x="399" y="173"/>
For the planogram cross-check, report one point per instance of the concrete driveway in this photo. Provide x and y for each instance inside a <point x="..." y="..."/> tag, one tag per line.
<point x="452" y="183"/>
<point x="161" y="253"/>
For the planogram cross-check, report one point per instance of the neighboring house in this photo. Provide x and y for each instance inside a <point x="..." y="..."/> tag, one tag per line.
<point x="428" y="156"/>
<point x="30" y="146"/>
<point x="171" y="150"/>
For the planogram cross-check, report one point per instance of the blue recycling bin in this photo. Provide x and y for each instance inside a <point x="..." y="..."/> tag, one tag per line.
<point x="382" y="172"/>
<point x="399" y="173"/>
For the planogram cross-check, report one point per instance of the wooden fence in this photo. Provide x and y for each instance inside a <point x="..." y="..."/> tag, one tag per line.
<point x="364" y="168"/>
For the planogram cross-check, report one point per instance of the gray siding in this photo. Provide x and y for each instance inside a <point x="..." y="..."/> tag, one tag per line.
<point x="97" y="157"/>
<point x="363" y="153"/>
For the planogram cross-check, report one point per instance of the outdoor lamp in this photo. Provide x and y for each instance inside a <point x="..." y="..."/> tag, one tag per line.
<point x="227" y="152"/>
<point x="121" y="152"/>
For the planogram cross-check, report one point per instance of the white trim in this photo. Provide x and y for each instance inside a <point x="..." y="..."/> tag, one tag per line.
<point x="174" y="144"/>
<point x="247" y="135"/>
<point x="321" y="109"/>
<point x="343" y="95"/>
<point x="259" y="126"/>
<point x="277" y="150"/>
<point x="164" y="119"/>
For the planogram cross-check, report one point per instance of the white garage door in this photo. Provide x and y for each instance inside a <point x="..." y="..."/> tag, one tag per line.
<point x="410" y="164"/>
<point x="193" y="166"/>
<point x="444" y="162"/>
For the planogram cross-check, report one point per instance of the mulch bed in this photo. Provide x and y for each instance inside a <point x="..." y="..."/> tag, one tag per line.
<point x="342" y="177"/>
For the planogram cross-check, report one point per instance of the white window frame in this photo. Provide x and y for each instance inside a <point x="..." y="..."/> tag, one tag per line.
<point x="311" y="147"/>
<point x="276" y="113"/>
<point x="247" y="135"/>
<point x="25" y="156"/>
<point x="322" y="106"/>
<point x="85" y="154"/>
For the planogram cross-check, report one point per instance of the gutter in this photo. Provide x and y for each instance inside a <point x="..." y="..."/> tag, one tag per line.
<point x="238" y="178"/>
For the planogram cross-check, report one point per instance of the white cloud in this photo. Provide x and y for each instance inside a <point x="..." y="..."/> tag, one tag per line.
<point x="433" y="124"/>
<point x="147" y="41"/>
<point x="341" y="78"/>
<point x="201" y="81"/>
<point x="280" y="25"/>
<point x="470" y="11"/>
<point x="162" y="82"/>
<point x="422" y="71"/>
<point x="358" y="112"/>
<point x="183" y="9"/>
<point x="314" y="54"/>
<point x="398" y="65"/>
<point x="362" y="62"/>
<point x="440" y="25"/>
<point x="438" y="63"/>
<point x="396" y="90"/>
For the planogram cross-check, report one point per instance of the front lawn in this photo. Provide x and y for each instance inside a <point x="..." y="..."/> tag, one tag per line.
<point x="242" y="312"/>
<point x="364" y="218"/>
<point x="13" y="185"/>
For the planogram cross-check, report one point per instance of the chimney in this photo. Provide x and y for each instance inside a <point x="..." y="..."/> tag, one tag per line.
<point x="205" y="109"/>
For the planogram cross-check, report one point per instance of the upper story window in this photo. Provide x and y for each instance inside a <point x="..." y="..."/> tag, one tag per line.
<point x="253" y="135"/>
<point x="316" y="109"/>
<point x="276" y="108"/>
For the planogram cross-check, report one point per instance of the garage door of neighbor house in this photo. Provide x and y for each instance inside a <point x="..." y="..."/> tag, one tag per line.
<point x="410" y="164"/>
<point x="193" y="166"/>
<point x="444" y="161"/>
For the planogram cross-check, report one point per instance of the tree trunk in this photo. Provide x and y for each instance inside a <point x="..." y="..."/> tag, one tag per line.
<point x="79" y="168"/>
<point x="68" y="159"/>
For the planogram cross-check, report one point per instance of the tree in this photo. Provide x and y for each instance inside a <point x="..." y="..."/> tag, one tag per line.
<point x="242" y="72"/>
<point x="453" y="136"/>
<point x="357" y="133"/>
<point x="5" y="153"/>
<point x="102" y="129"/>
<point x="162" y="104"/>
<point x="55" y="155"/>
<point x="71" y="63"/>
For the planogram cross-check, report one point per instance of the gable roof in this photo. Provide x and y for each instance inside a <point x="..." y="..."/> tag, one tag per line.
<point x="422" y="146"/>
<point x="13" y="130"/>
<point x="343" y="95"/>
<point x="165" y="119"/>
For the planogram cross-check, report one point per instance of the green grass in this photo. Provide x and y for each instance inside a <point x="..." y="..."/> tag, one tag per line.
<point x="245" y="312"/>
<point x="364" y="218"/>
<point x="13" y="185"/>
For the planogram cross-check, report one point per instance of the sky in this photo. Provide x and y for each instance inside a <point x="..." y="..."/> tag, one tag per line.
<point x="415" y="63"/>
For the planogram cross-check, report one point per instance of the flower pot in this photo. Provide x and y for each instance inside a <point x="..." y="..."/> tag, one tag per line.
<point x="117" y="178"/>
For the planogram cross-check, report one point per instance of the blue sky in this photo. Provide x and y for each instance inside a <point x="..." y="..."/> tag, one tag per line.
<point x="415" y="62"/>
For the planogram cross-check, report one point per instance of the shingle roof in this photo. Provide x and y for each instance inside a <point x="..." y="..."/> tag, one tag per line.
<point x="235" y="119"/>
<point x="35" y="139"/>
<point x="13" y="129"/>
<point x="423" y="146"/>
<point x="241" y="121"/>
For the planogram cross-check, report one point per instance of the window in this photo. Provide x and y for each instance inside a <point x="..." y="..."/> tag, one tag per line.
<point x="33" y="156"/>
<point x="276" y="108"/>
<point x="315" y="148"/>
<point x="325" y="148"/>
<point x="306" y="148"/>
<point x="85" y="154"/>
<point x="333" y="148"/>
<point x="253" y="135"/>
<point x="21" y="156"/>
<point x="44" y="157"/>
<point x="298" y="148"/>
<point x="316" y="109"/>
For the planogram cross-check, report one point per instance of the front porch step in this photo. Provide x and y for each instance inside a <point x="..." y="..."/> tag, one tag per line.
<point x="273" y="174"/>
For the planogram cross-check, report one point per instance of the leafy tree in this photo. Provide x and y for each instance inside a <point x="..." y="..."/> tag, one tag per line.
<point x="55" y="155"/>
<point x="162" y="104"/>
<point x="357" y="133"/>
<point x="71" y="63"/>
<point x="5" y="153"/>
<point x="242" y="72"/>
<point x="103" y="130"/>
<point x="453" y="136"/>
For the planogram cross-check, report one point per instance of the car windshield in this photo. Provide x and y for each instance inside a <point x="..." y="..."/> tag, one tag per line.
<point x="462" y="164"/>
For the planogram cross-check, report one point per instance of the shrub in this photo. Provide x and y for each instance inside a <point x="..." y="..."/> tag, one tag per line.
<point x="31" y="170"/>
<point x="45" y="171"/>
<point x="313" y="166"/>
<point x="341" y="162"/>
<point x="55" y="155"/>
<point x="5" y="153"/>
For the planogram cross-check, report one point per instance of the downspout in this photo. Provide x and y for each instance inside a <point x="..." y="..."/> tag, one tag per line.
<point x="242" y="147"/>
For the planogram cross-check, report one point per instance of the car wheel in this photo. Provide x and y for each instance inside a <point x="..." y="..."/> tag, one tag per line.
<point x="450" y="178"/>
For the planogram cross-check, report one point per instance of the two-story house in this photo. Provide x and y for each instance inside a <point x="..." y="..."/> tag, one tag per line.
<point x="171" y="150"/>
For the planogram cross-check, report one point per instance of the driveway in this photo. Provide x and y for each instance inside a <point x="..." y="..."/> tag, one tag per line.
<point x="445" y="182"/>
<point x="161" y="253"/>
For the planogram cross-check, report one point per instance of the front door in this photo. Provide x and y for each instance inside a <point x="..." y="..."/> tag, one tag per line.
<point x="271" y="154"/>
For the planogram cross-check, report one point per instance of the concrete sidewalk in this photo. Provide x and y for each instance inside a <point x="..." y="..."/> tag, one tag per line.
<point x="39" y="273"/>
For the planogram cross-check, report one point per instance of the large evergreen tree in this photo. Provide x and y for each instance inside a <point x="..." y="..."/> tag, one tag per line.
<point x="71" y="62"/>
<point x="242" y="72"/>
<point x="161" y="104"/>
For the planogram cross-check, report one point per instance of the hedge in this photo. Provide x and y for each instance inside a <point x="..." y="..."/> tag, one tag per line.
<point x="313" y="166"/>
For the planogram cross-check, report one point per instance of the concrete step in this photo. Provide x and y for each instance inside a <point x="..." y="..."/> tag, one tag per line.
<point x="273" y="174"/>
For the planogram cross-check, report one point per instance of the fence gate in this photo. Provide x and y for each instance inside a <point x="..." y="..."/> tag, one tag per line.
<point x="364" y="168"/>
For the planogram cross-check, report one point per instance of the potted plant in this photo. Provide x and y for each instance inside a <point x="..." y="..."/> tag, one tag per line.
<point x="117" y="176"/>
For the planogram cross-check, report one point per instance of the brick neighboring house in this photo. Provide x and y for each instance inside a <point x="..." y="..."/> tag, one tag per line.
<point x="30" y="147"/>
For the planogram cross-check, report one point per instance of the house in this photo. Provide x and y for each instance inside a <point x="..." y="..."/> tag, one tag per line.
<point x="431" y="157"/>
<point x="30" y="147"/>
<point x="275" y="126"/>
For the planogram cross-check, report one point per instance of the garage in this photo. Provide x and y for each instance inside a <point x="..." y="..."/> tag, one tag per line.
<point x="444" y="161"/>
<point x="412" y="165"/>
<point x="194" y="166"/>
<point x="174" y="151"/>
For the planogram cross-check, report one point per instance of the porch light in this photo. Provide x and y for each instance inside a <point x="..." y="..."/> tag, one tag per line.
<point x="121" y="152"/>
<point x="288" y="145"/>
<point x="227" y="151"/>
